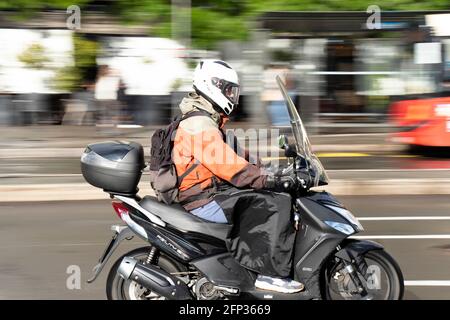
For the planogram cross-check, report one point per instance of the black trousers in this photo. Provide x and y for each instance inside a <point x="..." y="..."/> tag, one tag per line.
<point x="262" y="234"/>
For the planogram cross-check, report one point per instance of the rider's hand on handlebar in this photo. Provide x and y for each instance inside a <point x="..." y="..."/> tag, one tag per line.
<point x="304" y="179"/>
<point x="281" y="183"/>
<point x="286" y="181"/>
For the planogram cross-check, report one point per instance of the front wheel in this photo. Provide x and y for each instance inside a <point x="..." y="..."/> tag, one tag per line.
<point x="383" y="279"/>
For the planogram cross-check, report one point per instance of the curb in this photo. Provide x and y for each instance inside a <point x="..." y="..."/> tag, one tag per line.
<point x="342" y="187"/>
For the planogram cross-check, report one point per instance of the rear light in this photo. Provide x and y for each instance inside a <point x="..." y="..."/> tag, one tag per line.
<point x="120" y="209"/>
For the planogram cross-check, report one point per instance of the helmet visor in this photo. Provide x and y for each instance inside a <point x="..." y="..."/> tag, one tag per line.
<point x="229" y="89"/>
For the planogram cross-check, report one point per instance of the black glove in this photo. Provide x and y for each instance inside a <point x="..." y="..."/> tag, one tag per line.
<point x="304" y="179"/>
<point x="281" y="183"/>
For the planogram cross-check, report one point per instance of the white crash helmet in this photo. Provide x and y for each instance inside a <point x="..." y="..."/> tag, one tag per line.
<point x="218" y="83"/>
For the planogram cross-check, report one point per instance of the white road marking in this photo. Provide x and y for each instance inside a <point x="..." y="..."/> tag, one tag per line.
<point x="349" y="135"/>
<point x="406" y="236"/>
<point x="129" y="126"/>
<point x="427" y="283"/>
<point x="400" y="218"/>
<point x="39" y="175"/>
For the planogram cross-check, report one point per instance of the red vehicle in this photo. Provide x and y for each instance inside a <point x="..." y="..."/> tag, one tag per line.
<point x="423" y="122"/>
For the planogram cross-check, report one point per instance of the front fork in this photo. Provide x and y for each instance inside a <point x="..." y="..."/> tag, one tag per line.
<point x="354" y="265"/>
<point x="353" y="271"/>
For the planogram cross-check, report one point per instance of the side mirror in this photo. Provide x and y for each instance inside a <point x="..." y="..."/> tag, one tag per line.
<point x="290" y="151"/>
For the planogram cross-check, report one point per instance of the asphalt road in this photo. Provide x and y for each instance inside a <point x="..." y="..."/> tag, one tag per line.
<point x="39" y="241"/>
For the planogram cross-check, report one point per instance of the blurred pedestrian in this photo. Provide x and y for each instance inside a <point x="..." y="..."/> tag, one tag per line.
<point x="106" y="93"/>
<point x="80" y="108"/>
<point x="126" y="114"/>
<point x="272" y="96"/>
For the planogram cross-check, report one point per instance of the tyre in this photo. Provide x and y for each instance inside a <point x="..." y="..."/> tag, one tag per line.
<point x="384" y="280"/>
<point x="118" y="288"/>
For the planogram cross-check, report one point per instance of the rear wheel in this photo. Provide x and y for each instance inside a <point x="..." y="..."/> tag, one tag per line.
<point x="118" y="288"/>
<point x="383" y="281"/>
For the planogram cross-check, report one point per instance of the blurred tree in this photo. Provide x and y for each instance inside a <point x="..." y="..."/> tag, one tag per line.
<point x="85" y="52"/>
<point x="282" y="55"/>
<point x="34" y="56"/>
<point x="217" y="20"/>
<point x="26" y="8"/>
<point x="334" y="5"/>
<point x="214" y="20"/>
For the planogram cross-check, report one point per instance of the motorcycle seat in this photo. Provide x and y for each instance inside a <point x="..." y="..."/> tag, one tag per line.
<point x="176" y="216"/>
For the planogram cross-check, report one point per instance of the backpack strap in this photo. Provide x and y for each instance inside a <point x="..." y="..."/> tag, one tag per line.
<point x="191" y="168"/>
<point x="196" y="162"/>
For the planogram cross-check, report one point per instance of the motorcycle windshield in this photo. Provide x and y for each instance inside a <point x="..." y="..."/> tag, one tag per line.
<point x="315" y="168"/>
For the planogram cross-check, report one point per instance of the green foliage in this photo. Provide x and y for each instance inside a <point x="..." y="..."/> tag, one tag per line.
<point x="141" y="11"/>
<point x="25" y="9"/>
<point x="282" y="55"/>
<point x="39" y="4"/>
<point x="34" y="56"/>
<point x="71" y="77"/>
<point x="256" y="6"/>
<point x="85" y="52"/>
<point x="212" y="21"/>
<point x="209" y="26"/>
<point x="67" y="79"/>
<point x="176" y="84"/>
<point x="216" y="20"/>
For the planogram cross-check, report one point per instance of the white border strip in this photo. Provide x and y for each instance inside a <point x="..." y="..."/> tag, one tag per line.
<point x="383" y="170"/>
<point x="400" y="218"/>
<point x="427" y="283"/>
<point x="400" y="237"/>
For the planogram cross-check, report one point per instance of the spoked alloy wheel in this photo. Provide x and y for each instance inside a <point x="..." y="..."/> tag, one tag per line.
<point x="118" y="288"/>
<point x="384" y="280"/>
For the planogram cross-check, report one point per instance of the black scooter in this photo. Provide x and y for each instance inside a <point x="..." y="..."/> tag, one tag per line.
<point x="187" y="258"/>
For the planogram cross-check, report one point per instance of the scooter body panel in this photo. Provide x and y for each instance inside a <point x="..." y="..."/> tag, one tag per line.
<point x="183" y="247"/>
<point x="315" y="242"/>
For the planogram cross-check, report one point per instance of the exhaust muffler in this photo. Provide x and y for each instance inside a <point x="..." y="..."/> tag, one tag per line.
<point x="154" y="279"/>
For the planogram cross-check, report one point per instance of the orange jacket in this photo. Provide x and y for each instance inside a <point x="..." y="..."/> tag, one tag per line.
<point x="199" y="140"/>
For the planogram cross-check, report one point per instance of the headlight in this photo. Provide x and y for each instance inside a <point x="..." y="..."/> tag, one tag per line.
<point x="347" y="215"/>
<point x="342" y="227"/>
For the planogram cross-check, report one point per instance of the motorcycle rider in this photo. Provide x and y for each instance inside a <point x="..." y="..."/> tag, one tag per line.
<point x="220" y="184"/>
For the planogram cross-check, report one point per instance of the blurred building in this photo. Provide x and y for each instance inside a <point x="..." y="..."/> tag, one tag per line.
<point x="342" y="73"/>
<point x="348" y="73"/>
<point x="39" y="52"/>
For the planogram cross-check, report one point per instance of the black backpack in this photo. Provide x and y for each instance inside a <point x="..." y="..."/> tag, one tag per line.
<point x="163" y="174"/>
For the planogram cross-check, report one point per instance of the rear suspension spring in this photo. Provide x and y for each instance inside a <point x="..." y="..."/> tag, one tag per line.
<point x="151" y="255"/>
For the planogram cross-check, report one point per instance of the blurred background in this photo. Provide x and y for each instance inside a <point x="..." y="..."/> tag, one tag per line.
<point x="128" y="62"/>
<point x="373" y="89"/>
